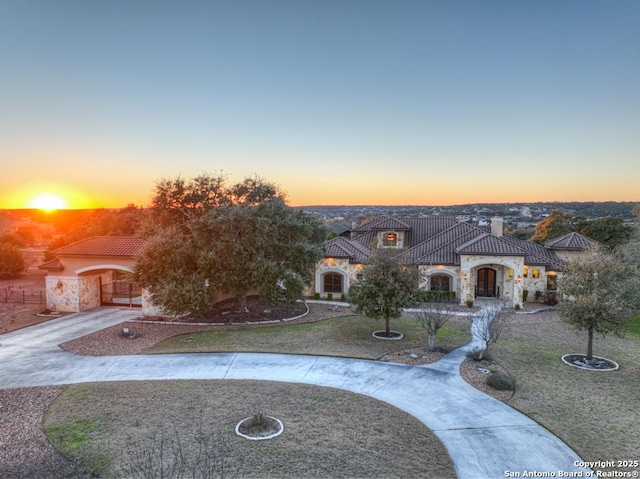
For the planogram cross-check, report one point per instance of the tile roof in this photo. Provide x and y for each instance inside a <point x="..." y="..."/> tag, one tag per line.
<point x="103" y="246"/>
<point x="572" y="241"/>
<point x="384" y="223"/>
<point x="53" y="265"/>
<point x="437" y="240"/>
<point x="491" y="245"/>
<point x="340" y="247"/>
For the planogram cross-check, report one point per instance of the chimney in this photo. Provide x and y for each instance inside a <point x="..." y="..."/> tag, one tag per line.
<point x="496" y="227"/>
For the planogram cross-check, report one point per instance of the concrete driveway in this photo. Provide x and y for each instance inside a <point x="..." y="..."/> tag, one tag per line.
<point x="484" y="437"/>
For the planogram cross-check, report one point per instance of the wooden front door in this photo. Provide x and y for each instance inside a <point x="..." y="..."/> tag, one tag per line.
<point x="486" y="283"/>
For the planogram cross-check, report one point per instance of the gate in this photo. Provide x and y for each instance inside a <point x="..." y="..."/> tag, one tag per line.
<point x="121" y="293"/>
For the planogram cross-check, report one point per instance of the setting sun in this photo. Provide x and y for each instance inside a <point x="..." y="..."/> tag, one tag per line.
<point x="48" y="203"/>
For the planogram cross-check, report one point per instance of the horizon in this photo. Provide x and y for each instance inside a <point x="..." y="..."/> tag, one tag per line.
<point x="426" y="103"/>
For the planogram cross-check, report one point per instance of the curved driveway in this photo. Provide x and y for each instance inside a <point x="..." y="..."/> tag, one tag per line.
<point x="484" y="437"/>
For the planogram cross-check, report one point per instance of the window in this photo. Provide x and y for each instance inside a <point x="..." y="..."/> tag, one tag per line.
<point x="536" y="273"/>
<point x="389" y="239"/>
<point x="332" y="283"/>
<point x="552" y="282"/>
<point x="439" y="282"/>
<point x="526" y="272"/>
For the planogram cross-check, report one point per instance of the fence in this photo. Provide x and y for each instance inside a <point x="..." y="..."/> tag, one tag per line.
<point x="22" y="296"/>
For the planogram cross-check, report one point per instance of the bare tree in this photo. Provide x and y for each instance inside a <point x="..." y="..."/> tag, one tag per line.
<point x="431" y="320"/>
<point x="488" y="325"/>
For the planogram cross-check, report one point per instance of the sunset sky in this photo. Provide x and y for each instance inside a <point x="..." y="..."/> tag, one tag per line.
<point x="339" y="102"/>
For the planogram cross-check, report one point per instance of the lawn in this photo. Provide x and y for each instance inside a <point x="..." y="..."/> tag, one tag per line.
<point x="633" y="327"/>
<point x="329" y="433"/>
<point x="596" y="413"/>
<point x="348" y="336"/>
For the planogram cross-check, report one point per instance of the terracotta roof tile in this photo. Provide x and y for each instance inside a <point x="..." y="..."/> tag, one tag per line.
<point x="103" y="246"/>
<point x="53" y="265"/>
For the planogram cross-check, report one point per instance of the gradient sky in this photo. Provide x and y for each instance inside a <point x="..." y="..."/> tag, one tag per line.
<point x="339" y="102"/>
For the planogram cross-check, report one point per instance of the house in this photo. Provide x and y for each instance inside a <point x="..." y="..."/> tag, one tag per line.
<point x="472" y="261"/>
<point x="451" y="255"/>
<point x="94" y="272"/>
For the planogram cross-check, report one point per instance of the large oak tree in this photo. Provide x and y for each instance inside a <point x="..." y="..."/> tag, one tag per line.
<point x="234" y="239"/>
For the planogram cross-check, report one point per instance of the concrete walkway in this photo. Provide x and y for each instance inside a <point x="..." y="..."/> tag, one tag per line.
<point x="484" y="437"/>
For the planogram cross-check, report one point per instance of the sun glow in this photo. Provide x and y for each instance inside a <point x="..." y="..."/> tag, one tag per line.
<point x="48" y="203"/>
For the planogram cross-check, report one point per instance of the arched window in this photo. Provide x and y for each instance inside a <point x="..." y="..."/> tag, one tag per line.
<point x="332" y="283"/>
<point x="440" y="282"/>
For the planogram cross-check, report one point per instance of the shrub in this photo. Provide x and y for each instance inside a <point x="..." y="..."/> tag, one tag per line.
<point x="330" y="296"/>
<point x="538" y="295"/>
<point x="469" y="303"/>
<point x="525" y="295"/>
<point x="479" y="354"/>
<point x="316" y="295"/>
<point x="11" y="261"/>
<point x="551" y="298"/>
<point x="502" y="381"/>
<point x="517" y="307"/>
<point x="427" y="296"/>
<point x="343" y="297"/>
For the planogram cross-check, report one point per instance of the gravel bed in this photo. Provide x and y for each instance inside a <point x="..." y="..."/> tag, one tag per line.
<point x="25" y="452"/>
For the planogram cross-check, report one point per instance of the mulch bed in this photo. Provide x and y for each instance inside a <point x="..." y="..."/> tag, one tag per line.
<point x="229" y="312"/>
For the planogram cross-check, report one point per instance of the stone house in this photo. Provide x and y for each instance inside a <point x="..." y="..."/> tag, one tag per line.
<point x="471" y="261"/>
<point x="450" y="255"/>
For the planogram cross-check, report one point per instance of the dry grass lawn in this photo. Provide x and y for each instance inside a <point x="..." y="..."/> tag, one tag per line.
<point x="596" y="413"/>
<point x="348" y="336"/>
<point x="328" y="432"/>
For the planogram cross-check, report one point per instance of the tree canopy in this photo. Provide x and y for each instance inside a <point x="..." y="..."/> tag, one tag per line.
<point x="598" y="296"/>
<point x="250" y="241"/>
<point x="610" y="231"/>
<point x="11" y="261"/>
<point x="180" y="200"/>
<point x="386" y="287"/>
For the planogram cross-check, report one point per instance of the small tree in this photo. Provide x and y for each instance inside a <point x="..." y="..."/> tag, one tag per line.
<point x="386" y="287"/>
<point x="11" y="261"/>
<point x="597" y="297"/>
<point x="432" y="320"/>
<point x="489" y="325"/>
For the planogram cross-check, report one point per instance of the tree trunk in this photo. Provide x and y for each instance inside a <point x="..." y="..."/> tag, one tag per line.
<point x="242" y="302"/>
<point x="387" y="330"/>
<point x="590" y="345"/>
<point x="431" y="341"/>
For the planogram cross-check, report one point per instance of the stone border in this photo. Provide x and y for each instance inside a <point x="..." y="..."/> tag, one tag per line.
<point x="400" y="335"/>
<point x="270" y="436"/>
<point x="617" y="366"/>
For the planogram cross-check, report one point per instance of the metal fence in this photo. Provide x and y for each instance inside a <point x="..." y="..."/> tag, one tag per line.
<point x="22" y="296"/>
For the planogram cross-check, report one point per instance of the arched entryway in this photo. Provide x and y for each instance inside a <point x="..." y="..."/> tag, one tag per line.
<point x="486" y="283"/>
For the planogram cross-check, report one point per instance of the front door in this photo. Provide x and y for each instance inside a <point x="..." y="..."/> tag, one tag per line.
<point x="486" y="283"/>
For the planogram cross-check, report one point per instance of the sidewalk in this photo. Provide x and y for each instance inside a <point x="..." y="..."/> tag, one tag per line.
<point x="484" y="437"/>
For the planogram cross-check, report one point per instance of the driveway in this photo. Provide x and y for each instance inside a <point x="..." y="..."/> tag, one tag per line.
<point x="484" y="437"/>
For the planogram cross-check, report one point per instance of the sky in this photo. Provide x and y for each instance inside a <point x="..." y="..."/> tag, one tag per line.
<point x="342" y="102"/>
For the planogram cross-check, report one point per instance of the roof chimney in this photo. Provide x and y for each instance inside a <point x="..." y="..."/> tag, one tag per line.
<point x="496" y="227"/>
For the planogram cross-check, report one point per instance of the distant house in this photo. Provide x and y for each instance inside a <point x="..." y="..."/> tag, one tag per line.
<point x="451" y="255"/>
